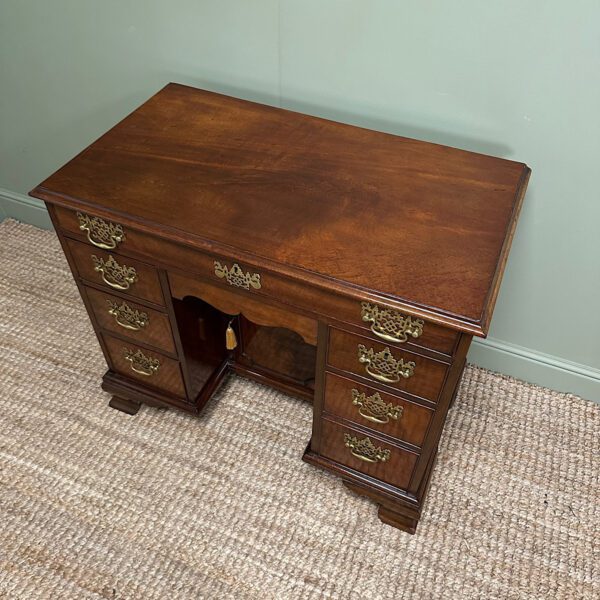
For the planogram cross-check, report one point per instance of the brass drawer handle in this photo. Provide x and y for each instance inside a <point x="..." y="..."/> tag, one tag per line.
<point x="389" y="324"/>
<point x="113" y="274"/>
<point x="140" y="363"/>
<point x="383" y="366"/>
<point x="365" y="449"/>
<point x="127" y="317"/>
<point x="102" y="234"/>
<point x="236" y="277"/>
<point x="374" y="409"/>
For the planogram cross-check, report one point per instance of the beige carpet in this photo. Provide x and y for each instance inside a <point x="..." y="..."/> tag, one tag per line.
<point x="97" y="504"/>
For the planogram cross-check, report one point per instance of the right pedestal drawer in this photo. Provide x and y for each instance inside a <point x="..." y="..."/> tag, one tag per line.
<point x="367" y="454"/>
<point x="386" y="364"/>
<point x="381" y="412"/>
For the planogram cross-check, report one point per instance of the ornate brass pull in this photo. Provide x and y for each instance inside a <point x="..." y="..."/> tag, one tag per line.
<point x="101" y="233"/>
<point x="127" y="317"/>
<point x="140" y="363"/>
<point x="365" y="449"/>
<point x="389" y="324"/>
<point x="374" y="409"/>
<point x="383" y="366"/>
<point x="113" y="274"/>
<point x="236" y="277"/>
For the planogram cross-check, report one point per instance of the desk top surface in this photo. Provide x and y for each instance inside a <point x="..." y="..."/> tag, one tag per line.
<point x="333" y="204"/>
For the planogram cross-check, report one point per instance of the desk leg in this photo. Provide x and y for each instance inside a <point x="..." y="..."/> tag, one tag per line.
<point x="388" y="512"/>
<point x="127" y="406"/>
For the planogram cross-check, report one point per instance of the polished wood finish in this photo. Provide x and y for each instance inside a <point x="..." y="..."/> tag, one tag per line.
<point x="396" y="471"/>
<point x="147" y="286"/>
<point x="129" y="392"/>
<point x="157" y="333"/>
<point x="279" y="351"/>
<point x="410" y="427"/>
<point x="327" y="216"/>
<point x="406" y="219"/>
<point x="201" y="331"/>
<point x="434" y="337"/>
<point x="426" y="382"/>
<point x="167" y="378"/>
<point x="233" y="302"/>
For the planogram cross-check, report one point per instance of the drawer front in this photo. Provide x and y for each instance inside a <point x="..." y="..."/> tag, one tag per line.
<point x="376" y="410"/>
<point x="375" y="319"/>
<point x="367" y="454"/>
<point x="116" y="272"/>
<point x="397" y="328"/>
<point x="387" y="365"/>
<point x="125" y="317"/>
<point x="150" y="368"/>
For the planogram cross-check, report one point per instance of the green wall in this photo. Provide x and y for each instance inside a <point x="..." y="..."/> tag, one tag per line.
<point x="518" y="79"/>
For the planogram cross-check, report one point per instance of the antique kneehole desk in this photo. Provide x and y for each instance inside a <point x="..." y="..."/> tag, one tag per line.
<point x="349" y="267"/>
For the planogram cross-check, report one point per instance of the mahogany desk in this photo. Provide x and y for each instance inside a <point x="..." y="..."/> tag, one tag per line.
<point x="349" y="267"/>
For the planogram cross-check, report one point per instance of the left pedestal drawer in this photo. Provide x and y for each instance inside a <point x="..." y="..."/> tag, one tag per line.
<point x="116" y="272"/>
<point x="146" y="366"/>
<point x="130" y="319"/>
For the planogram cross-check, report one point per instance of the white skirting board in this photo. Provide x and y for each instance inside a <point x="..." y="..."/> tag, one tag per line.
<point x="523" y="363"/>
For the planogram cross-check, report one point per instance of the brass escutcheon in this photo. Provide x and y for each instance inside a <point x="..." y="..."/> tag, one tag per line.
<point x="236" y="277"/>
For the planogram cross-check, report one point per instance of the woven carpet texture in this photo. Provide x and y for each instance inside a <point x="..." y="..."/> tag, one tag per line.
<point x="162" y="506"/>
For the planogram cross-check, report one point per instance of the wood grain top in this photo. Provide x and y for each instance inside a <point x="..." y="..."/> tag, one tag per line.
<point x="331" y="204"/>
